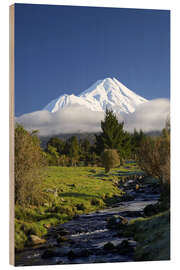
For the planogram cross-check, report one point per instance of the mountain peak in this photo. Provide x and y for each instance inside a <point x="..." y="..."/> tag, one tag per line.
<point x="108" y="80"/>
<point x="101" y="86"/>
<point x="107" y="93"/>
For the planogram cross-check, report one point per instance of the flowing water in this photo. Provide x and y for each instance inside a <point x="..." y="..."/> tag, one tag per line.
<point x="87" y="235"/>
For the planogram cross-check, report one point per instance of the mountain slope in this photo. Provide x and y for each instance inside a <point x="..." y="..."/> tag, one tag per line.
<point x="108" y="93"/>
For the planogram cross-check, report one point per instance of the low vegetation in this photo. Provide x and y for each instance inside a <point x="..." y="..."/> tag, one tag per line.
<point x="154" y="245"/>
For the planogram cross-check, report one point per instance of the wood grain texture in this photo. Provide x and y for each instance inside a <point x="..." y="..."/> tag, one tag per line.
<point x="11" y="136"/>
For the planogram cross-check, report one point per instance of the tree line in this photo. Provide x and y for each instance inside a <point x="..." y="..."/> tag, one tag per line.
<point x="74" y="152"/>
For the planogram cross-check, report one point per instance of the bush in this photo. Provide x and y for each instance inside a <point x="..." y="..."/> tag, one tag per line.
<point x="28" y="162"/>
<point x="154" y="157"/>
<point x="110" y="159"/>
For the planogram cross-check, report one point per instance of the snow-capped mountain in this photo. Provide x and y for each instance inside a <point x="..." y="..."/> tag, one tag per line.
<point x="108" y="93"/>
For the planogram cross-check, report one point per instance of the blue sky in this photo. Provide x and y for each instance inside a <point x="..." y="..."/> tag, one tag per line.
<point x="64" y="49"/>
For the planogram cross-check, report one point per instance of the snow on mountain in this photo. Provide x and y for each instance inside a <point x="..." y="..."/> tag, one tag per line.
<point x="66" y="100"/>
<point x="108" y="93"/>
<point x="83" y="113"/>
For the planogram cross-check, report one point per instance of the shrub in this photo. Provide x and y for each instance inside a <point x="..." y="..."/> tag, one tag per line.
<point x="110" y="159"/>
<point x="28" y="162"/>
<point x="154" y="157"/>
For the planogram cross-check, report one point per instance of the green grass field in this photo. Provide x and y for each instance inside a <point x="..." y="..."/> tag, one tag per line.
<point x="70" y="191"/>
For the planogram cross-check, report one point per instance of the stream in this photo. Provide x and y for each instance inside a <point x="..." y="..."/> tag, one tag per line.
<point x="87" y="234"/>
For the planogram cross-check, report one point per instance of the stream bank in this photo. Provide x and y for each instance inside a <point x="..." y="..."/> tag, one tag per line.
<point x="87" y="238"/>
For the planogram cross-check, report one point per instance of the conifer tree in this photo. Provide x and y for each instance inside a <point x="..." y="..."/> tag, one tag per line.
<point x="136" y="141"/>
<point x="113" y="136"/>
<point x="57" y="143"/>
<point x="73" y="149"/>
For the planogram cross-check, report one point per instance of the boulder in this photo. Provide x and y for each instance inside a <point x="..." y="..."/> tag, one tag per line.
<point x="85" y="253"/>
<point x="151" y="210"/>
<point x="47" y="226"/>
<point x="76" y="216"/>
<point x="71" y="255"/>
<point x="59" y="262"/>
<point x="130" y="182"/>
<point x="125" y="247"/>
<point x="36" y="240"/>
<point x="109" y="246"/>
<point x="133" y="213"/>
<point x="62" y="231"/>
<point x="140" y="190"/>
<point x="116" y="222"/>
<point x="128" y="197"/>
<point x="48" y="253"/>
<point x="61" y="239"/>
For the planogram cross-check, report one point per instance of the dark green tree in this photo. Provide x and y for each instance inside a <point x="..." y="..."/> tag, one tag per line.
<point x="72" y="150"/>
<point x="52" y="155"/>
<point x="113" y="136"/>
<point x="85" y="145"/>
<point x="85" y="151"/>
<point x="57" y="143"/>
<point x="136" y="141"/>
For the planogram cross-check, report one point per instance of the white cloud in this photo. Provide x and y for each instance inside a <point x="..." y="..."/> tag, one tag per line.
<point x="71" y="119"/>
<point x="148" y="116"/>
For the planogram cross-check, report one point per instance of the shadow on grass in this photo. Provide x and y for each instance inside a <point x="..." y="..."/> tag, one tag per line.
<point x="78" y="195"/>
<point x="101" y="175"/>
<point x="118" y="173"/>
<point x="123" y="173"/>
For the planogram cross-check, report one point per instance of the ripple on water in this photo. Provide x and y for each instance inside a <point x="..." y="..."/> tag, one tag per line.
<point x="89" y="233"/>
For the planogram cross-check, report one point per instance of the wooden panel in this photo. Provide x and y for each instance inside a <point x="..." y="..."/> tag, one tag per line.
<point x="11" y="137"/>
